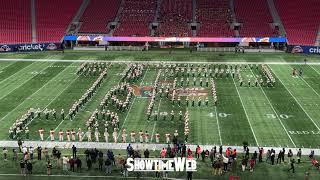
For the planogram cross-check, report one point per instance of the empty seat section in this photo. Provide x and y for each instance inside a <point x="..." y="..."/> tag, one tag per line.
<point x="15" y="21"/>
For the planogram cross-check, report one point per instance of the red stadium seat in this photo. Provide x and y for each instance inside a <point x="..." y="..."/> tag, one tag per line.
<point x="53" y="18"/>
<point x="15" y="21"/>
<point x="300" y="19"/>
<point x="213" y="16"/>
<point x="97" y="15"/>
<point x="255" y="16"/>
<point x="136" y="17"/>
<point x="174" y="18"/>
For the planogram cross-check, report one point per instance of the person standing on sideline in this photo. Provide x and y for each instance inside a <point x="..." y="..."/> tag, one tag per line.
<point x="5" y="154"/>
<point x="74" y="151"/>
<point x="49" y="168"/>
<point x="243" y="164"/>
<point x="252" y="162"/>
<point x="292" y="165"/>
<point x="299" y="155"/>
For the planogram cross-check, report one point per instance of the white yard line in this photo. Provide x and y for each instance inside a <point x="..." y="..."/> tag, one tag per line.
<point x="296" y="100"/>
<point x="245" y="111"/>
<point x="15" y="73"/>
<point x="310" y="86"/>
<point x="158" y="61"/>
<point x="16" y="87"/>
<point x="3" y="67"/>
<point x="275" y="112"/>
<point x="215" y="109"/>
<point x="28" y="97"/>
<point x="315" y="70"/>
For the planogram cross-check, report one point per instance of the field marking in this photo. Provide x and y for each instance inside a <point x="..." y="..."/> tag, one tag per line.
<point x="296" y="100"/>
<point x="158" y="61"/>
<point x="14" y="74"/>
<point x="131" y="105"/>
<point x="58" y="93"/>
<point x="3" y="67"/>
<point x="215" y="109"/>
<point x="315" y="69"/>
<point x="254" y="135"/>
<point x="275" y="113"/>
<point x="28" y="97"/>
<point x="310" y="86"/>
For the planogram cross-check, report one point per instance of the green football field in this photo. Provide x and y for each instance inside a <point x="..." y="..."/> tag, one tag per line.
<point x="285" y="115"/>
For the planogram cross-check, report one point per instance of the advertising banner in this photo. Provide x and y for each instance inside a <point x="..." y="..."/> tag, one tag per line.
<point x="172" y="39"/>
<point x="304" y="49"/>
<point x="27" y="47"/>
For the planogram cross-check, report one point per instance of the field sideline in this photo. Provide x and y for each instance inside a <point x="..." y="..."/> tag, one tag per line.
<point x="284" y="116"/>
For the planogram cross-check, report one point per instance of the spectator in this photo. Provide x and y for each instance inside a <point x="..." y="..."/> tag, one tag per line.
<point x="58" y="158"/>
<point x="74" y="151"/>
<point x="311" y="155"/>
<point x="108" y="166"/>
<point x="272" y="156"/>
<point x="203" y="155"/>
<point x="100" y="162"/>
<point x="71" y="162"/>
<point x="65" y="161"/>
<point x="260" y="154"/>
<point x="5" y="154"/>
<point x="89" y="164"/>
<point x="299" y="155"/>
<point x="79" y="164"/>
<point x="268" y="156"/>
<point x="46" y="153"/>
<point x="189" y="175"/>
<point x="15" y="155"/>
<point x="198" y="151"/>
<point x="146" y="153"/>
<point x="292" y="165"/>
<point x="22" y="167"/>
<point x="255" y="156"/>
<point x="290" y="155"/>
<point x="20" y="145"/>
<point x="49" y="168"/>
<point x="31" y="150"/>
<point x="244" y="163"/>
<point x="39" y="152"/>
<point x="252" y="162"/>
<point x="225" y="163"/>
<point x="29" y="167"/>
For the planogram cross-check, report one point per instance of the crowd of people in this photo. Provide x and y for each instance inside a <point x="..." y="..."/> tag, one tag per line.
<point x="268" y="75"/>
<point x="221" y="160"/>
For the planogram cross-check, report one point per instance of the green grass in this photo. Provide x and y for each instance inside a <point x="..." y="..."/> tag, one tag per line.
<point x="284" y="115"/>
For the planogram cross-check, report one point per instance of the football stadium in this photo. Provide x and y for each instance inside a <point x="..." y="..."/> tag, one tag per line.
<point x="132" y="89"/>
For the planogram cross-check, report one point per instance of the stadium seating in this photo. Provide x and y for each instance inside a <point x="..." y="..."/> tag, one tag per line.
<point x="300" y="19"/>
<point x="98" y="14"/>
<point x="214" y="16"/>
<point x="255" y="16"/>
<point x="15" y="21"/>
<point x="53" y="18"/>
<point x="174" y="18"/>
<point x="136" y="17"/>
